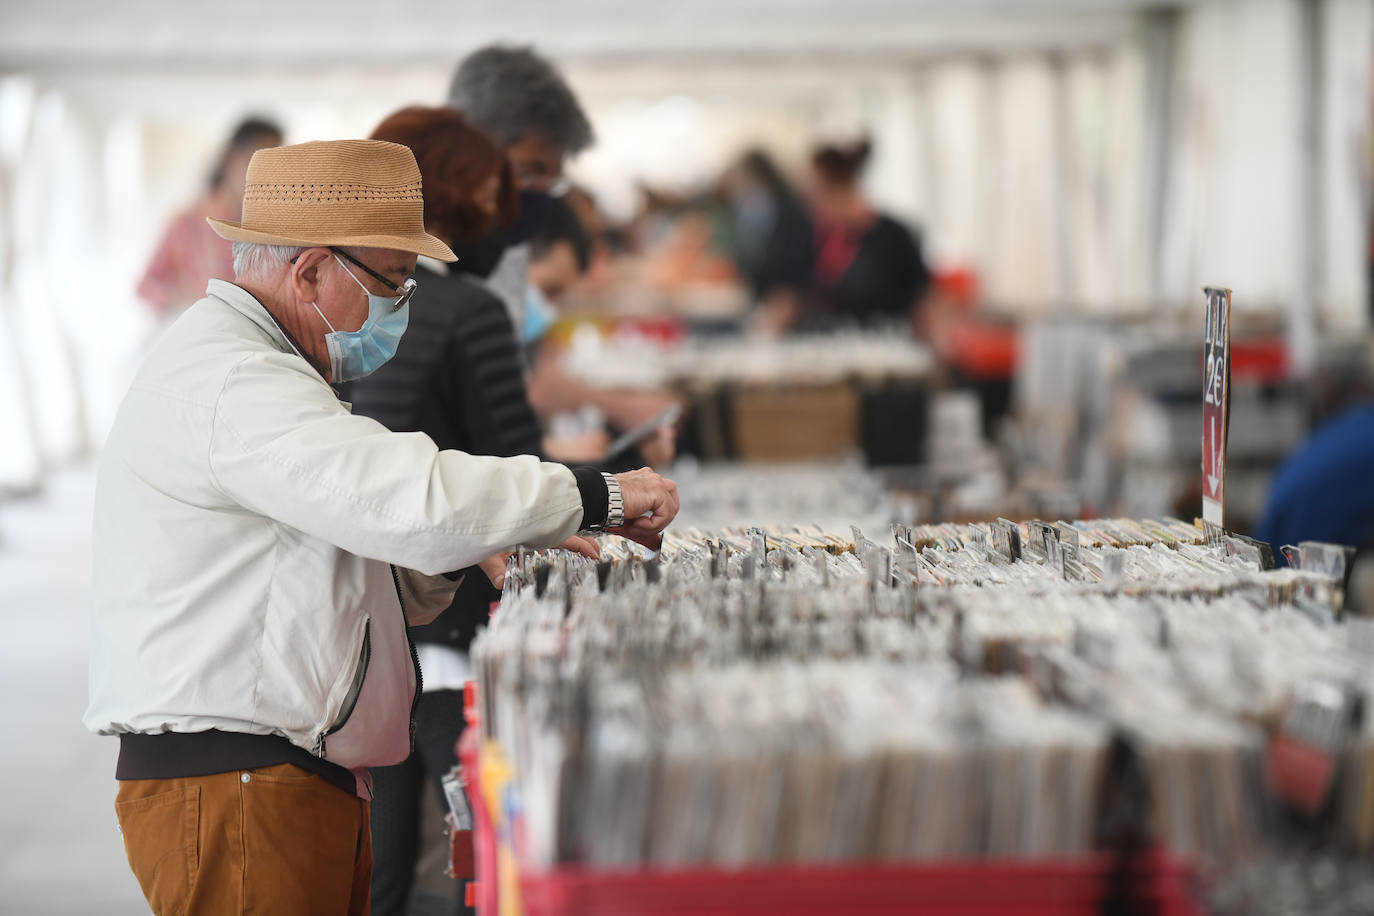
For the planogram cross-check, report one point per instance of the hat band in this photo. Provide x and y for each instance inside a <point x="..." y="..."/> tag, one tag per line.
<point x="288" y="210"/>
<point x="329" y="192"/>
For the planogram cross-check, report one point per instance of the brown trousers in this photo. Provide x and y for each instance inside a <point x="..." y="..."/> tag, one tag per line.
<point x="274" y="840"/>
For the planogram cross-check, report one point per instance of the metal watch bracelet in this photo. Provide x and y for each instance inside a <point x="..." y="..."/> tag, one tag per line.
<point x="615" y="502"/>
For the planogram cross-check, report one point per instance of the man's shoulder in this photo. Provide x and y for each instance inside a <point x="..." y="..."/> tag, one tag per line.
<point x="208" y="344"/>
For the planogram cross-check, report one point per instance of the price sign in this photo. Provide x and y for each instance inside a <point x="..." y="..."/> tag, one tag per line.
<point x="1216" y="400"/>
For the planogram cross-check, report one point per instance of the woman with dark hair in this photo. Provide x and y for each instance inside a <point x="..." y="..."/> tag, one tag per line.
<point x="189" y="253"/>
<point x="458" y="377"/>
<point x="457" y="374"/>
<point x="772" y="235"/>
<point x="868" y="267"/>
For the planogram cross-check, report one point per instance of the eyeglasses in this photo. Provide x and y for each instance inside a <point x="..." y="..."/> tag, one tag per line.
<point x="404" y="291"/>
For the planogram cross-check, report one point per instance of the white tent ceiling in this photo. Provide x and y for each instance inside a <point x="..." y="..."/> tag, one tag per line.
<point x="66" y="36"/>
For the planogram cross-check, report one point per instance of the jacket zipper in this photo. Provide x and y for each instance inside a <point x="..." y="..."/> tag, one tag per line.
<point x="354" y="692"/>
<point x="414" y="656"/>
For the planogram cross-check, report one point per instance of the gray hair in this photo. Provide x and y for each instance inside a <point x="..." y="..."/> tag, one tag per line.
<point x="253" y="261"/>
<point x="512" y="93"/>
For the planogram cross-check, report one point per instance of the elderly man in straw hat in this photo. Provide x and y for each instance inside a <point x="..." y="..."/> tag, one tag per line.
<point x="259" y="551"/>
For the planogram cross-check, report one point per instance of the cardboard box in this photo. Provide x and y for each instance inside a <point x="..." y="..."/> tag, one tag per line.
<point x="795" y="422"/>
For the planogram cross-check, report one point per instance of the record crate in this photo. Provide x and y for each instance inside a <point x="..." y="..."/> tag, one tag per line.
<point x="1151" y="881"/>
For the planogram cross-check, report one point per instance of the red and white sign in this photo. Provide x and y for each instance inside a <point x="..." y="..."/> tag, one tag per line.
<point x="1216" y="399"/>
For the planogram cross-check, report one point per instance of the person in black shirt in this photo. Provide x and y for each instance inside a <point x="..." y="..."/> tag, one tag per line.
<point x="458" y="377"/>
<point x="868" y="266"/>
<point x="773" y="239"/>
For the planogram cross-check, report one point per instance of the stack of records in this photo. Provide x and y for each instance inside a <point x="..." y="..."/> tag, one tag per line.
<point x="793" y="694"/>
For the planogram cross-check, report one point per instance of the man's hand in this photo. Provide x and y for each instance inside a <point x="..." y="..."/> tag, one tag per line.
<point x="495" y="568"/>
<point x="495" y="565"/>
<point x="650" y="504"/>
<point x="585" y="546"/>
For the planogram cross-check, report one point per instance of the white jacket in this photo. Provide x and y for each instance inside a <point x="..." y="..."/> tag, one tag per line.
<point x="253" y="539"/>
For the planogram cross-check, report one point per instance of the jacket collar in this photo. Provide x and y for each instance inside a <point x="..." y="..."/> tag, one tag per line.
<point x="246" y="304"/>
<point x="243" y="302"/>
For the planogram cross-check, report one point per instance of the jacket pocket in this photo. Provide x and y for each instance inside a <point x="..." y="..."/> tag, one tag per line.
<point x="161" y="840"/>
<point x="355" y="687"/>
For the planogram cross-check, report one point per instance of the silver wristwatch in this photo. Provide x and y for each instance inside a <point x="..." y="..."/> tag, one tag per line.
<point x="615" y="503"/>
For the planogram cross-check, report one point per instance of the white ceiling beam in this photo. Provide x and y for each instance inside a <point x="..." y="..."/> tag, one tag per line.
<point x="144" y="36"/>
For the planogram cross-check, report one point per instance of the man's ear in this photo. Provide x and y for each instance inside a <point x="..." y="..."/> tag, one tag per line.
<point x="304" y="277"/>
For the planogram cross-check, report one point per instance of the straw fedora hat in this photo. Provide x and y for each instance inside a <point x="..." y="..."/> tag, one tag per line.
<point x="338" y="192"/>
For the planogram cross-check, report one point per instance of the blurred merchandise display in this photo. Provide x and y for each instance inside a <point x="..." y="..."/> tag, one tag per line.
<point x="634" y="357"/>
<point x="1112" y="405"/>
<point x="1317" y="884"/>
<point x="1102" y="419"/>
<point x="832" y="496"/>
<point x="836" y="495"/>
<point x="802" y="398"/>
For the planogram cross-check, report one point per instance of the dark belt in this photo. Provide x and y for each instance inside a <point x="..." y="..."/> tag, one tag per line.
<point x="176" y="755"/>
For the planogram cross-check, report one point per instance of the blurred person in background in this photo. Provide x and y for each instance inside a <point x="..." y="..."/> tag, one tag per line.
<point x="772" y="238"/>
<point x="458" y="377"/>
<point x="461" y="377"/>
<point x="598" y="283"/>
<point x="561" y="252"/>
<point x="605" y="239"/>
<point x="1324" y="490"/>
<point x="868" y="266"/>
<point x="458" y="374"/>
<point x="189" y="252"/>
<point x="260" y="551"/>
<point x="560" y="256"/>
<point x="522" y="102"/>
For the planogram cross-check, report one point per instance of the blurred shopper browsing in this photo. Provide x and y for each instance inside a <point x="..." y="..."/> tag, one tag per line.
<point x="189" y="252"/>
<point x="457" y="377"/>
<point x="868" y="266"/>
<point x="773" y="239"/>
<point x="1324" y="491"/>
<point x="561" y="253"/>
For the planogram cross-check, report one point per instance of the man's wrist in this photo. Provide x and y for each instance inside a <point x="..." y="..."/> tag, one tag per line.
<point x="596" y="500"/>
<point x="615" y="508"/>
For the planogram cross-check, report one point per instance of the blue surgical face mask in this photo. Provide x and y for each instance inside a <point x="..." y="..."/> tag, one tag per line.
<point x="353" y="354"/>
<point x="540" y="314"/>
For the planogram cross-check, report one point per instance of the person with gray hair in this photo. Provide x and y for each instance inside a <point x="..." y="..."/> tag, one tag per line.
<point x="525" y="105"/>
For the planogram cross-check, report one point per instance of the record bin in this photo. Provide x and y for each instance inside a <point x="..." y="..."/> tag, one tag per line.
<point x="1153" y="882"/>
